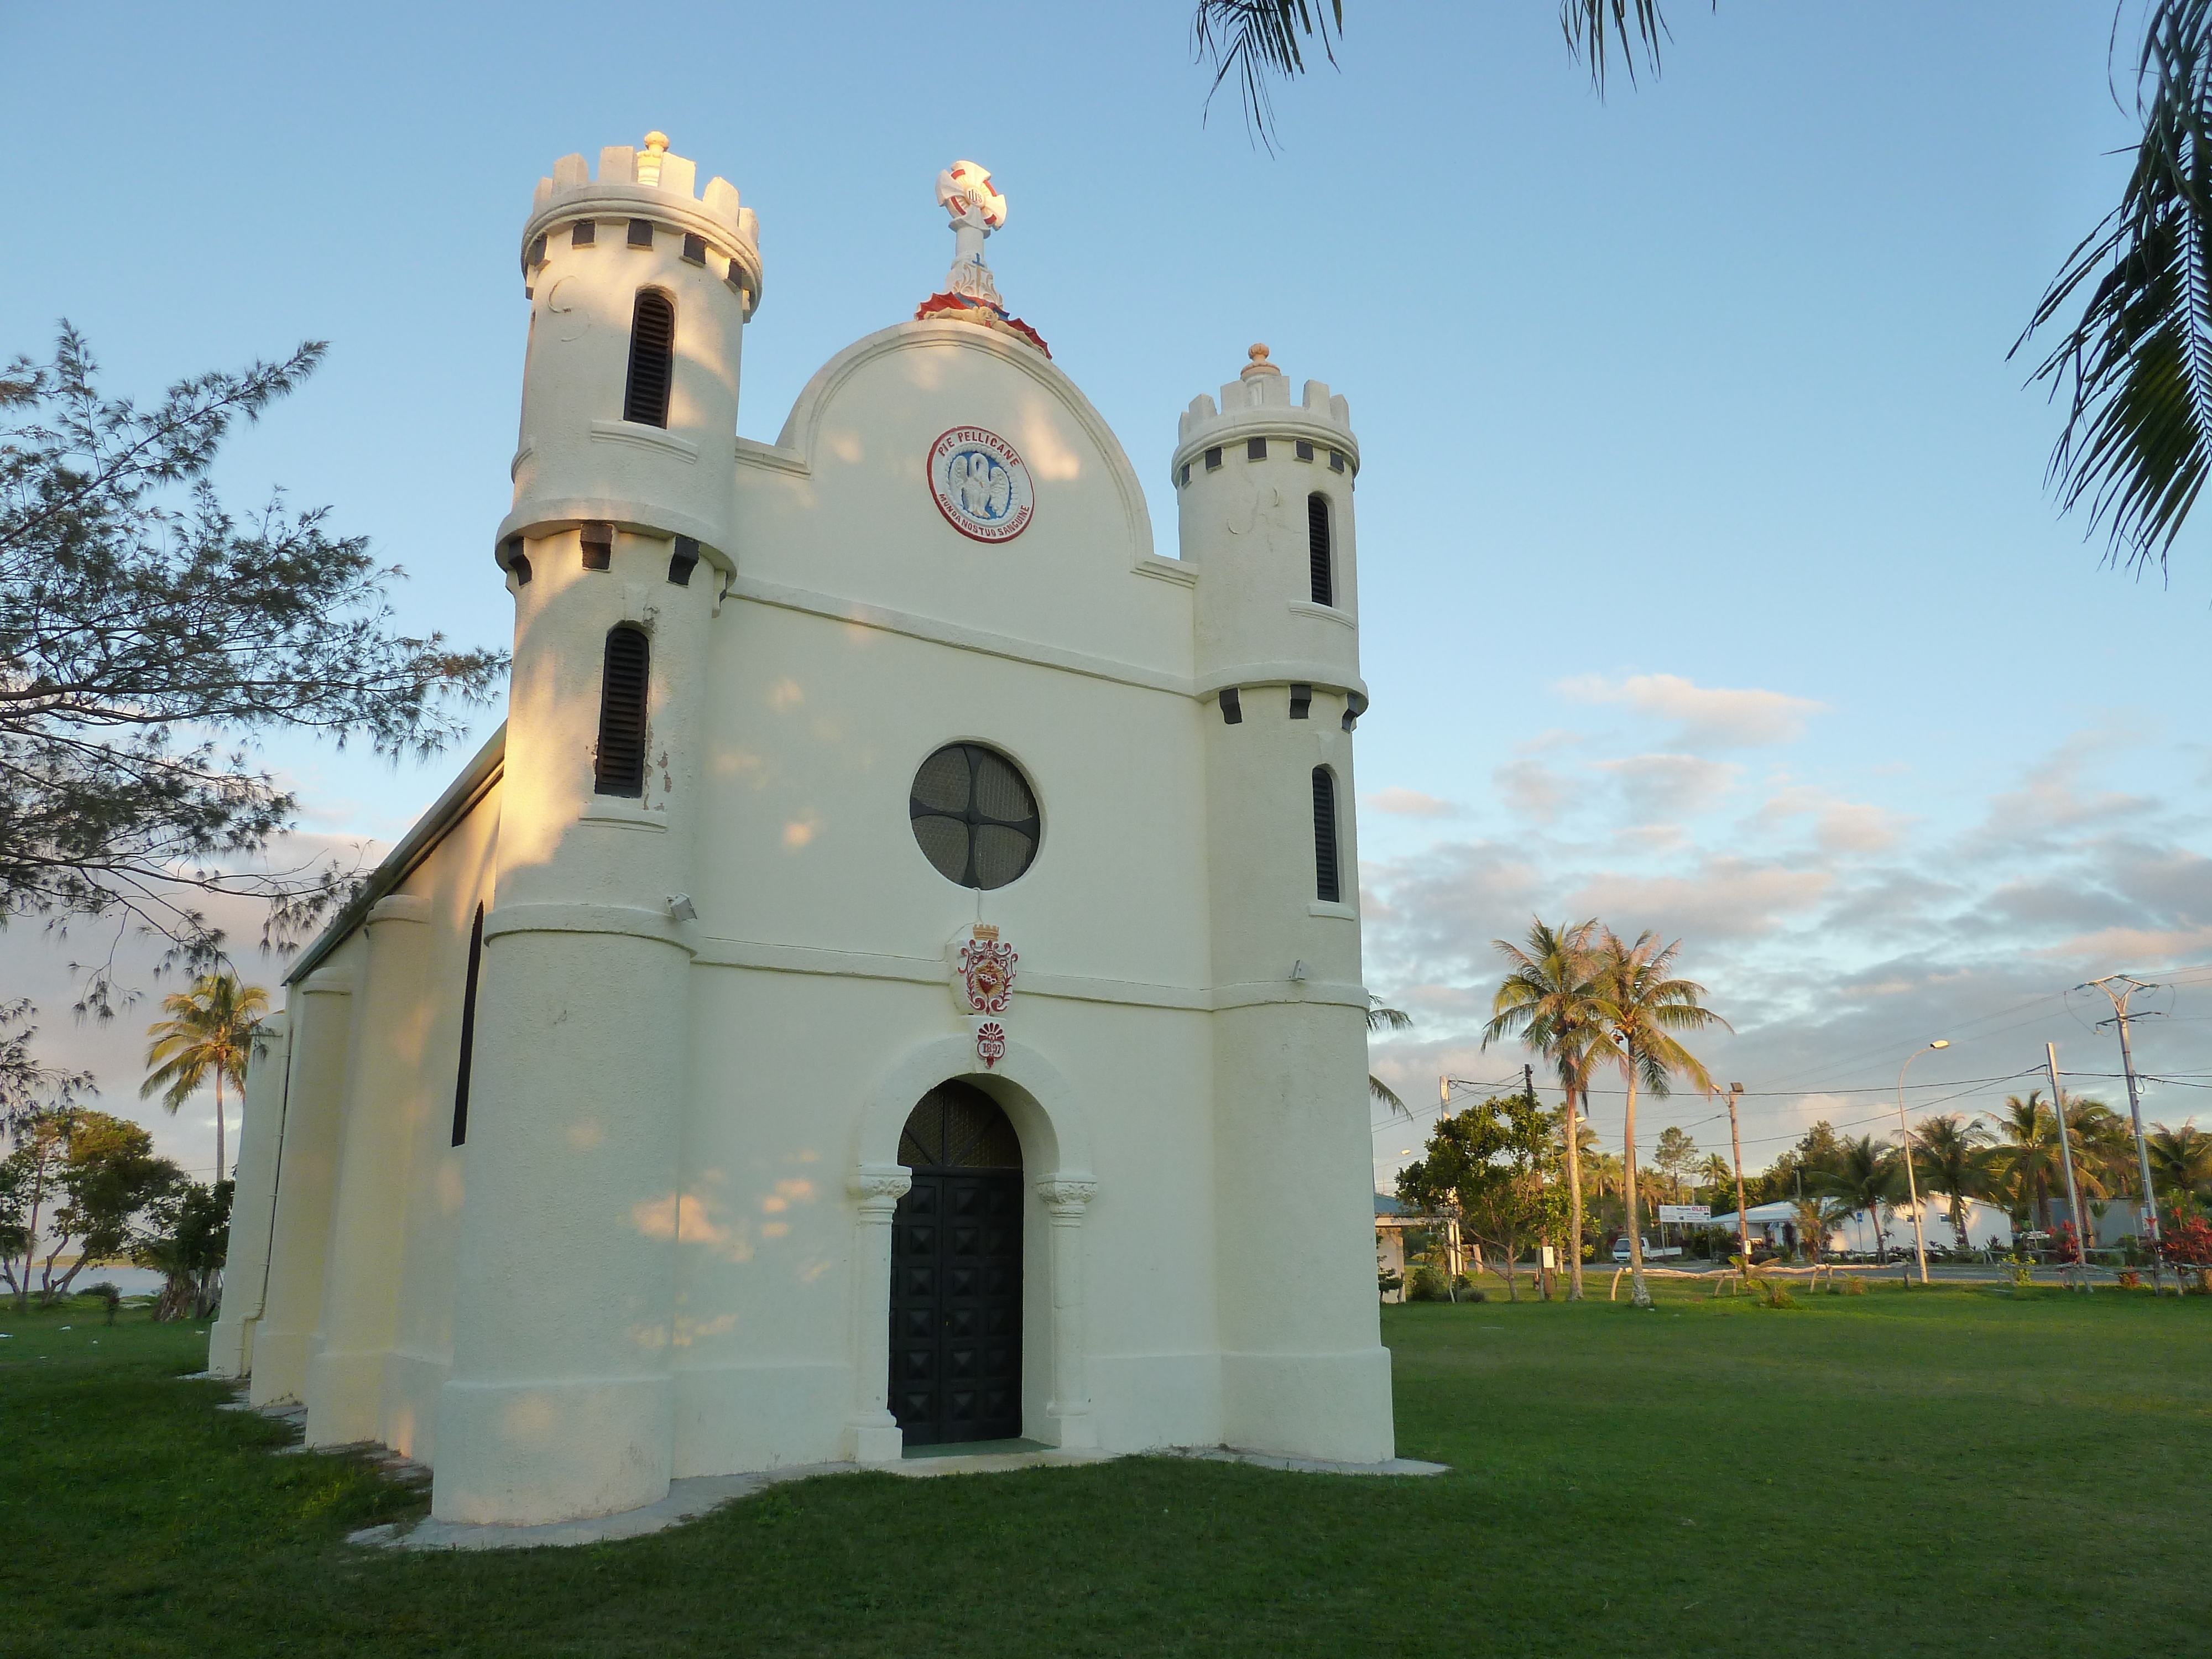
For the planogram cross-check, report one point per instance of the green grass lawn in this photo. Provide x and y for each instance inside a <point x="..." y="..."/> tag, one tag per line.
<point x="1950" y="1471"/>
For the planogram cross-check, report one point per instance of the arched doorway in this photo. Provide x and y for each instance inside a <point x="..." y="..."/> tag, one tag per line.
<point x="956" y="1370"/>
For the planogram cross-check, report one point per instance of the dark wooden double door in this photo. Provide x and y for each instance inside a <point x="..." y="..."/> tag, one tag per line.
<point x="956" y="1307"/>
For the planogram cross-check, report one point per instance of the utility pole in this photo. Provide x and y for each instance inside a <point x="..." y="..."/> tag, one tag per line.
<point x="1543" y="1268"/>
<point x="2065" y="1152"/>
<point x="1911" y="1181"/>
<point x="2128" y="987"/>
<point x="1736" y="1145"/>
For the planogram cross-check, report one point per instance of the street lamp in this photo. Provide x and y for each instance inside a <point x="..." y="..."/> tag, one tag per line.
<point x="1911" y="1185"/>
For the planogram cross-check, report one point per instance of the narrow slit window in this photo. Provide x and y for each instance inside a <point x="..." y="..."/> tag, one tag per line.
<point x="651" y="358"/>
<point x="468" y="1031"/>
<point x="619" y="768"/>
<point x="1318" y="549"/>
<point x="1327" y="887"/>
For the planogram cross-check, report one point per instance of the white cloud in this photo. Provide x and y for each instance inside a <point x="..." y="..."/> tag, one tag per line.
<point x="1408" y="802"/>
<point x="1707" y="716"/>
<point x="1534" y="790"/>
<point x="1840" y="826"/>
<point x="1665" y="786"/>
<point x="1727" y="898"/>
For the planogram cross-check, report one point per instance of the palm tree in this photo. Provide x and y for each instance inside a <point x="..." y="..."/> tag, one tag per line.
<point x="2135" y="366"/>
<point x="1952" y="1156"/>
<point x="1867" y="1177"/>
<point x="2180" y="1162"/>
<point x="1717" y="1176"/>
<point x="208" y="1032"/>
<point x="1640" y="1004"/>
<point x="2027" y="1150"/>
<point x="1548" y="996"/>
<point x="1380" y="1018"/>
<point x="1816" y="1218"/>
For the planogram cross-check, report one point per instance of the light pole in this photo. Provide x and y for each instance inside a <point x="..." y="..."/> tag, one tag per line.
<point x="1736" y="1145"/>
<point x="1911" y="1183"/>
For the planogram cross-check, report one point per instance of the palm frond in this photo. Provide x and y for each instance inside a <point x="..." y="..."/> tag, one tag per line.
<point x="1378" y="1090"/>
<point x="1380" y="1018"/>
<point x="1256" y="41"/>
<point x="2136" y="368"/>
<point x="1592" y="27"/>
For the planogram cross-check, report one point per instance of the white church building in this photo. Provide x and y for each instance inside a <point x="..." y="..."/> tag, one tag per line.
<point x="895" y="978"/>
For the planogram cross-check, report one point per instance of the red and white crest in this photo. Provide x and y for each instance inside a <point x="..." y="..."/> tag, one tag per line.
<point x="990" y="1043"/>
<point x="986" y="971"/>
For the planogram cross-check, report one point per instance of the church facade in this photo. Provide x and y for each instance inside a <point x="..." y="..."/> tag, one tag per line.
<point x="894" y="977"/>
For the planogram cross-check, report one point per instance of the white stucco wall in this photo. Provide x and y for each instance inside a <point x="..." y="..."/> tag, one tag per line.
<point x="661" y="1251"/>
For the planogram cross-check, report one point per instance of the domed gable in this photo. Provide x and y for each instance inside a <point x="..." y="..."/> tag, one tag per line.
<point x="944" y="472"/>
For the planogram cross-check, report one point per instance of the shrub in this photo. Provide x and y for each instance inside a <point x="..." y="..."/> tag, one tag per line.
<point x="1773" y="1294"/>
<point x="1847" y="1285"/>
<point x="1427" y="1284"/>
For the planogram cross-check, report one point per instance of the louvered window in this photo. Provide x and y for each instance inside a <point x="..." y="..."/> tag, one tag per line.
<point x="651" y="358"/>
<point x="1318" y="549"/>
<point x="974" y="816"/>
<point x="1327" y="888"/>
<point x="619" y="768"/>
<point x="468" y="1031"/>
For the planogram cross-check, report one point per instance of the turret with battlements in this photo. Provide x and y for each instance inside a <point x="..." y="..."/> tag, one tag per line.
<point x="618" y="551"/>
<point x="1265" y="488"/>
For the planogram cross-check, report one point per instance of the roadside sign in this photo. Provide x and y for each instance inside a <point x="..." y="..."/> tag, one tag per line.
<point x="1681" y="1215"/>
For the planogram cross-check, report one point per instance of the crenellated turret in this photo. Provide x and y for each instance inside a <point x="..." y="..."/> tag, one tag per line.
<point x="1265" y="488"/>
<point x="639" y="297"/>
<point x="618" y="550"/>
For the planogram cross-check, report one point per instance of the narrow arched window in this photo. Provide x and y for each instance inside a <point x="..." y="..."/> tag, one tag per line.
<point x="619" y="768"/>
<point x="1317" y="548"/>
<point x="1327" y="887"/>
<point x="468" y="1030"/>
<point x="651" y="358"/>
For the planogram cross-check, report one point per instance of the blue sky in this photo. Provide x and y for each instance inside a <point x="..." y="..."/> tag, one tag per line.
<point x="1708" y="581"/>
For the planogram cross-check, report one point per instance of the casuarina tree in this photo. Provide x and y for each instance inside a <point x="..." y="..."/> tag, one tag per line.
<point x="146" y="628"/>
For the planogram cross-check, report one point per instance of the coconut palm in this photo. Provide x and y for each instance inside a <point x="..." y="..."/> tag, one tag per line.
<point x="208" y="1034"/>
<point x="1548" y="997"/>
<point x="1867" y="1177"/>
<point x="1817" y="1217"/>
<point x="2180" y="1162"/>
<point x="2134" y="368"/>
<point x="1952" y="1156"/>
<point x="1640" y="1004"/>
<point x="1715" y="1176"/>
<point x="1380" y="1018"/>
<point x="2027" y="1150"/>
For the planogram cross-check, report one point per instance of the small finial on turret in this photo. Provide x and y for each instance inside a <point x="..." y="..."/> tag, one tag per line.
<point x="656" y="141"/>
<point x="1258" y="366"/>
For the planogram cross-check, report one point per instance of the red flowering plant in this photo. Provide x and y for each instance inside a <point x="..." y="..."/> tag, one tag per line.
<point x="2186" y="1242"/>
<point x="2069" y="1247"/>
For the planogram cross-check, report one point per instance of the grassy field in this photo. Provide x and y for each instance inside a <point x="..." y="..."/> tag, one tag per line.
<point x="1951" y="1472"/>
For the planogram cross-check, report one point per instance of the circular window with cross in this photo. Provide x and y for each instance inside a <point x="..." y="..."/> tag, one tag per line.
<point x="975" y="815"/>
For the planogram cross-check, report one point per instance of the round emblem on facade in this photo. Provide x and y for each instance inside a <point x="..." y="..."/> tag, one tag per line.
<point x="981" y="484"/>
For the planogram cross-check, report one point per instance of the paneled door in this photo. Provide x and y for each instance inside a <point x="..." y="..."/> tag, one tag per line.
<point x="956" y="1307"/>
